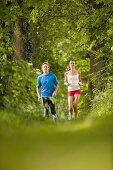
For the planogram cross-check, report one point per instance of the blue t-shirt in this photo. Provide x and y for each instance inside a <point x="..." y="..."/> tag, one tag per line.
<point x="48" y="83"/>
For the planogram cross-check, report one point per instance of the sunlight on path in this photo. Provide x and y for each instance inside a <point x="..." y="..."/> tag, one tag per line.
<point x="76" y="126"/>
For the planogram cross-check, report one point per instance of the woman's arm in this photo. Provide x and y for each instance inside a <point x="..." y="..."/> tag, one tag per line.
<point x="80" y="81"/>
<point x="65" y="80"/>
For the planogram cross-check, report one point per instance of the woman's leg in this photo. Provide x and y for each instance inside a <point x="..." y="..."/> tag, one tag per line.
<point x="76" y="100"/>
<point x="70" y="104"/>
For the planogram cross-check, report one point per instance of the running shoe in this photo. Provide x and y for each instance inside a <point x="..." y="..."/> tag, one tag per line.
<point x="55" y="117"/>
<point x="70" y="116"/>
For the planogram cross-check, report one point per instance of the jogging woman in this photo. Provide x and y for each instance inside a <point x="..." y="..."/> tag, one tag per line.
<point x="73" y="81"/>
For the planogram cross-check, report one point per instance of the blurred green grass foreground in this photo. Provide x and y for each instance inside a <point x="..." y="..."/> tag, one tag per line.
<point x="62" y="145"/>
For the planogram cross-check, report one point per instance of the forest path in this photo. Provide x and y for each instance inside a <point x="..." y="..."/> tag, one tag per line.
<point x="74" y="145"/>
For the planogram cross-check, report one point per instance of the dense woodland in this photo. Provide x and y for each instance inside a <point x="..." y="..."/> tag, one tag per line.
<point x="56" y="31"/>
<point x="34" y="31"/>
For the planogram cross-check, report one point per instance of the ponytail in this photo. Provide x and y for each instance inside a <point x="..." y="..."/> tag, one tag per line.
<point x="68" y="68"/>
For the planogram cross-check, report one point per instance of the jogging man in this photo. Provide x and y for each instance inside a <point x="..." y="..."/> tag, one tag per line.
<point x="48" y="84"/>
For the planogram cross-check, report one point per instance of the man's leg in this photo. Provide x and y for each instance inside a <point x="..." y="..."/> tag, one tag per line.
<point x="46" y="112"/>
<point x="52" y="109"/>
<point x="45" y="104"/>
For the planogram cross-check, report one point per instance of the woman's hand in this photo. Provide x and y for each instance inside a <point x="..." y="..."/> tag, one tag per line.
<point x="82" y="84"/>
<point x="67" y="84"/>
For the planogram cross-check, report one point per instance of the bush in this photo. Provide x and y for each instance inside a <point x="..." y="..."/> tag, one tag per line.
<point x="17" y="85"/>
<point x="102" y="104"/>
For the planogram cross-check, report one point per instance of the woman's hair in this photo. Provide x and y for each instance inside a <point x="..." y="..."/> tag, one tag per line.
<point x="45" y="63"/>
<point x="68" y="68"/>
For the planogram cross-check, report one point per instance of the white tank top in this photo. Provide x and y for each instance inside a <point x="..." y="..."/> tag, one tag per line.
<point x="73" y="80"/>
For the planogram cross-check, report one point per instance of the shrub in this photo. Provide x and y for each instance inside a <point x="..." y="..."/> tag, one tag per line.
<point x="17" y="85"/>
<point x="102" y="104"/>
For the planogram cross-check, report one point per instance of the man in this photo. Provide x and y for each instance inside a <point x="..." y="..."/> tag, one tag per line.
<point x="49" y="86"/>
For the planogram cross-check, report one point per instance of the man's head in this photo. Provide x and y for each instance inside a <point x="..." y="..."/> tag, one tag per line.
<point x="45" y="67"/>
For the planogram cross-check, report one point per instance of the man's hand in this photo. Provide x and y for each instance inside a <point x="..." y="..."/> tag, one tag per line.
<point x="39" y="98"/>
<point x="54" y="94"/>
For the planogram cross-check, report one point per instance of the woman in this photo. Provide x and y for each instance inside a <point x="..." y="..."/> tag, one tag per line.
<point x="73" y="81"/>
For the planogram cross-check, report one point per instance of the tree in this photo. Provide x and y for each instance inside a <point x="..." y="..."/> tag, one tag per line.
<point x="57" y="31"/>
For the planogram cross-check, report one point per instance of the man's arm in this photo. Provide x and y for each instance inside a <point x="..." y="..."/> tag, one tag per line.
<point x="54" y="93"/>
<point x="38" y="92"/>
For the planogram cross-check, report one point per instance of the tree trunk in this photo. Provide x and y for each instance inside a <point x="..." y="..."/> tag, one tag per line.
<point x="18" y="41"/>
<point x="34" y="35"/>
<point x="35" y="38"/>
<point x="96" y="66"/>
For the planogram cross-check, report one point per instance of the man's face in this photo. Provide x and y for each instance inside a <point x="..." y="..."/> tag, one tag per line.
<point x="45" y="68"/>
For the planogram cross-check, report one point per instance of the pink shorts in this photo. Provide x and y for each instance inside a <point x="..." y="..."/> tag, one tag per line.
<point x="72" y="93"/>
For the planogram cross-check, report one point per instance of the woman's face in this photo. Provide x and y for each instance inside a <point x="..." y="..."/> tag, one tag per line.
<point x="72" y="63"/>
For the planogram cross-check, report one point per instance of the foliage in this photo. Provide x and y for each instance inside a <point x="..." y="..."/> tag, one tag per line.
<point x="102" y="104"/>
<point x="71" y="30"/>
<point x="17" y="82"/>
<point x="55" y="31"/>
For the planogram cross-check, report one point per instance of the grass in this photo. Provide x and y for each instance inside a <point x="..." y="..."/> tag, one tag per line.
<point x="33" y="143"/>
